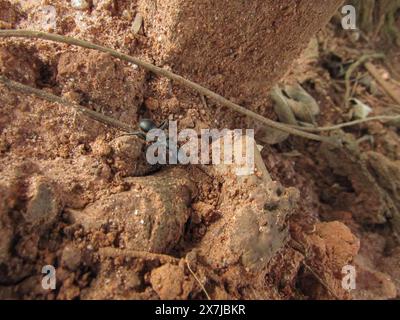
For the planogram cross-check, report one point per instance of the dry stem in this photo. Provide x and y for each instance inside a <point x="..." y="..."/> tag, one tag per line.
<point x="349" y="124"/>
<point x="53" y="98"/>
<point x="352" y="68"/>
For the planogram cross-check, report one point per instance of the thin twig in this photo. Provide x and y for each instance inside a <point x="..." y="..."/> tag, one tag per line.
<point x="53" y="98"/>
<point x="116" y="252"/>
<point x="374" y="73"/>
<point x="203" y="101"/>
<point x="349" y="124"/>
<point x="352" y="68"/>
<point x="198" y="280"/>
<point x="170" y="75"/>
<point x="302" y="249"/>
<point x="324" y="284"/>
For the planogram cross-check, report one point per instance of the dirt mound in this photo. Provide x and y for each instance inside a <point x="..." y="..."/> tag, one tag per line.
<point x="93" y="78"/>
<point x="222" y="45"/>
<point x="151" y="216"/>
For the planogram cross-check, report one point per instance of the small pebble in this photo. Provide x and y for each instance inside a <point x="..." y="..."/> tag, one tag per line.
<point x="386" y="76"/>
<point x="137" y="23"/>
<point x="80" y="4"/>
<point x="71" y="257"/>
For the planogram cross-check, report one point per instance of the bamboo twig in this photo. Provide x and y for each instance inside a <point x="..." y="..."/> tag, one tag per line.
<point x="170" y="75"/>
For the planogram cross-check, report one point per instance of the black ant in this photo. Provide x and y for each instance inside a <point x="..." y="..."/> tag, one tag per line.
<point x="146" y="125"/>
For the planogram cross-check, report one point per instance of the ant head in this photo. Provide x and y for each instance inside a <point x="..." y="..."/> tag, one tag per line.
<point x="146" y="125"/>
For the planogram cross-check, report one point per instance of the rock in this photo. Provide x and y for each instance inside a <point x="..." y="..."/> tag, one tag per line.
<point x="137" y="23"/>
<point x="341" y="245"/>
<point x="169" y="282"/>
<point x="330" y="248"/>
<point x="150" y="217"/>
<point x="152" y="104"/>
<point x="129" y="156"/>
<point x="71" y="257"/>
<point x="80" y="4"/>
<point x="253" y="222"/>
<point x="287" y="270"/>
<point x="43" y="205"/>
<point x="207" y="212"/>
<point x="256" y="237"/>
<point x="45" y="19"/>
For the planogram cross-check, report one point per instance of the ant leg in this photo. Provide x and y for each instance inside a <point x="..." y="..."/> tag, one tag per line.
<point x="163" y="125"/>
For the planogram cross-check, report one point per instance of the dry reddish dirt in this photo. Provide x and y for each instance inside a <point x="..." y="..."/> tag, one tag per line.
<point x="79" y="196"/>
<point x="252" y="54"/>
